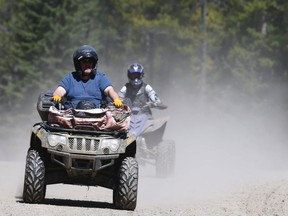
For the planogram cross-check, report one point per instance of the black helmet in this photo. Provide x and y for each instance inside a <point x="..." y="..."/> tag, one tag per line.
<point x="83" y="52"/>
<point x="135" y="74"/>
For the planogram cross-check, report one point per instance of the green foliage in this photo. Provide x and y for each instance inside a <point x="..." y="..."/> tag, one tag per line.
<point x="36" y="50"/>
<point x="251" y="42"/>
<point x="246" y="42"/>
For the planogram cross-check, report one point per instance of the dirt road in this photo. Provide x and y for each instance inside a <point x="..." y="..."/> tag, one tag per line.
<point x="225" y="166"/>
<point x="266" y="196"/>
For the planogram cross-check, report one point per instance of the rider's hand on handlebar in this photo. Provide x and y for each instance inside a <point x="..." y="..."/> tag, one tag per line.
<point x="118" y="102"/>
<point x="158" y="105"/>
<point x="56" y="98"/>
<point x="153" y="104"/>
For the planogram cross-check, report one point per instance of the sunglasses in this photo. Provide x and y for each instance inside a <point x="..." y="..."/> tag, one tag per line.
<point x="87" y="61"/>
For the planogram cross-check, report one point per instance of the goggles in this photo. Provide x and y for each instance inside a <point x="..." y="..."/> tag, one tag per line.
<point x="135" y="75"/>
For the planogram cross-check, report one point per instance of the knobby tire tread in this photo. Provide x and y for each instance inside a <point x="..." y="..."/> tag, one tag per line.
<point x="34" y="182"/>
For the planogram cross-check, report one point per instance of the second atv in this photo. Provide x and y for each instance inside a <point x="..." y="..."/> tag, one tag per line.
<point x="152" y="148"/>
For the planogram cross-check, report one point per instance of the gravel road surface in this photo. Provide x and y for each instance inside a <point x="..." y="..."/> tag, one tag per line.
<point x="225" y="165"/>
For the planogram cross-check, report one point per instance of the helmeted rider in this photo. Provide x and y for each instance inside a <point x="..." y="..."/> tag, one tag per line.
<point x="137" y="90"/>
<point x="86" y="83"/>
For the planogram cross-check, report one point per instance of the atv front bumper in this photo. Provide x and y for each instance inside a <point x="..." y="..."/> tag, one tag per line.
<point x="80" y="162"/>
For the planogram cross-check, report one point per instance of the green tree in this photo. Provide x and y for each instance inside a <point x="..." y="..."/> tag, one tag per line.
<point x="248" y="55"/>
<point x="161" y="35"/>
<point x="38" y="51"/>
<point x="246" y="43"/>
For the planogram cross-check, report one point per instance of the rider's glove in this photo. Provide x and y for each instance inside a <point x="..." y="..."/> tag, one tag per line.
<point x="56" y="98"/>
<point x="118" y="102"/>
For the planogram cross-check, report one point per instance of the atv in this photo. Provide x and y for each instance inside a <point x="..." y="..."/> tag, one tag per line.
<point x="80" y="156"/>
<point x="151" y="147"/>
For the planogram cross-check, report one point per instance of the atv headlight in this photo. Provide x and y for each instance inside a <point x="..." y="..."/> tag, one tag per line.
<point x="112" y="144"/>
<point x="53" y="140"/>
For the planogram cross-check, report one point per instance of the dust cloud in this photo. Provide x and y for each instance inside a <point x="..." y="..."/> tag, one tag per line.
<point x="219" y="146"/>
<point x="14" y="142"/>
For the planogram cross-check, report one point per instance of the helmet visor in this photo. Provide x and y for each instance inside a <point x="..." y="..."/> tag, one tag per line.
<point x="135" y="75"/>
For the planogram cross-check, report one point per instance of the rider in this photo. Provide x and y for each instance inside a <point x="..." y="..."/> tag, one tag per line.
<point x="138" y="91"/>
<point x="86" y="83"/>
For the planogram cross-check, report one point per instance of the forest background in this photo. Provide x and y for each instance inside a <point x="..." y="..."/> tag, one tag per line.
<point x="237" y="52"/>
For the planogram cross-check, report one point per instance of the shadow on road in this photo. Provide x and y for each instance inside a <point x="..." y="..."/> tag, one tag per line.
<point x="76" y="203"/>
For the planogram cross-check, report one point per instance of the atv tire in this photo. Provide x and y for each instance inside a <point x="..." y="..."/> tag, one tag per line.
<point x="34" y="182"/>
<point x="165" y="160"/>
<point x="125" y="191"/>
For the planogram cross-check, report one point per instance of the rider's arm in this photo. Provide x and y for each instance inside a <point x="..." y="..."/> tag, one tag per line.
<point x="64" y="86"/>
<point x="60" y="91"/>
<point x="152" y="95"/>
<point x="110" y="92"/>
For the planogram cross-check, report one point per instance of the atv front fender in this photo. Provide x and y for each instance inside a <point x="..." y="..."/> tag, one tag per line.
<point x="155" y="124"/>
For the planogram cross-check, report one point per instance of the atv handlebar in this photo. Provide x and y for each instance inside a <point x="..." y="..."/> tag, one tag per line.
<point x="157" y="106"/>
<point x="59" y="104"/>
<point x="149" y="104"/>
